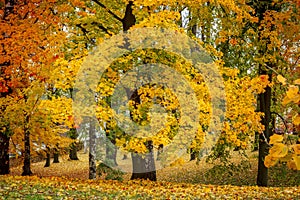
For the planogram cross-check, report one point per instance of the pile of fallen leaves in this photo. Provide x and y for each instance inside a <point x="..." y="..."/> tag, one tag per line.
<point x="33" y="187"/>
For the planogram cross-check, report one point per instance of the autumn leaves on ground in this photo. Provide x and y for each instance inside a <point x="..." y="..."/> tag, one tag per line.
<point x="69" y="180"/>
<point x="89" y="73"/>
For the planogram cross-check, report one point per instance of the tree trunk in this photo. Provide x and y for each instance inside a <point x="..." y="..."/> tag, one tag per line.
<point x="27" y="161"/>
<point x="111" y="154"/>
<point x="56" y="154"/>
<point x="4" y="156"/>
<point x="73" y="147"/>
<point x="85" y="146"/>
<point x="73" y="152"/>
<point x="265" y="107"/>
<point x="48" y="157"/>
<point x="92" y="151"/>
<point x="159" y="151"/>
<point x="144" y="166"/>
<point x="193" y="155"/>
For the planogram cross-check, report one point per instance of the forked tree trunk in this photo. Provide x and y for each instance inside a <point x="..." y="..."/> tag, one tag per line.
<point x="143" y="165"/>
<point x="4" y="156"/>
<point x="92" y="151"/>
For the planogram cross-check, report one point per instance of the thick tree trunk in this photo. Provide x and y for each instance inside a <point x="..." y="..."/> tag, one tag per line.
<point x="111" y="154"/>
<point x="27" y="161"/>
<point x="48" y="157"/>
<point x="265" y="107"/>
<point x="56" y="154"/>
<point x="92" y="151"/>
<point x="73" y="151"/>
<point x="4" y="156"/>
<point x="144" y="166"/>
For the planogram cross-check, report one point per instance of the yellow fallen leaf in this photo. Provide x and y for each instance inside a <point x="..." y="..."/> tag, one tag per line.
<point x="281" y="79"/>
<point x="276" y="139"/>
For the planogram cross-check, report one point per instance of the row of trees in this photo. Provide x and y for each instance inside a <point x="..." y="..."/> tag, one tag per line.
<point x="44" y="44"/>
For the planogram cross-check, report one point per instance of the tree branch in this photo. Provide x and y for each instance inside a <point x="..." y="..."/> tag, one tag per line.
<point x="108" y="10"/>
<point x="85" y="32"/>
<point x="101" y="27"/>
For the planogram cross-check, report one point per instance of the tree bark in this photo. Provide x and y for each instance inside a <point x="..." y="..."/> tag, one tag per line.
<point x="48" y="157"/>
<point x="4" y="156"/>
<point x="56" y="154"/>
<point x="92" y="151"/>
<point x="265" y="107"/>
<point x="27" y="159"/>
<point x="73" y="151"/>
<point x="73" y="147"/>
<point x="160" y="151"/>
<point x="111" y="154"/>
<point x="143" y="165"/>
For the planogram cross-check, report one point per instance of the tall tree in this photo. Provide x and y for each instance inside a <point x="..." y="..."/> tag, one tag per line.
<point x="28" y="30"/>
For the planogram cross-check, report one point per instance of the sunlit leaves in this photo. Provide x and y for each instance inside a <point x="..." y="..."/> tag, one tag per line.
<point x="275" y="139"/>
<point x="282" y="152"/>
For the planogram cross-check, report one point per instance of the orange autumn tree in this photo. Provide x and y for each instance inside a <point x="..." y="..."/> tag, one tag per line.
<point x="31" y="35"/>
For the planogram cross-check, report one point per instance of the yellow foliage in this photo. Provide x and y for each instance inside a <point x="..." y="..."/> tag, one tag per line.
<point x="276" y="139"/>
<point x="270" y="161"/>
<point x="281" y="79"/>
<point x="279" y="150"/>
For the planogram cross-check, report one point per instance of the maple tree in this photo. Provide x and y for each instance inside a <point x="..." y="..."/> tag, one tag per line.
<point x="245" y="39"/>
<point x="30" y="39"/>
<point x="152" y="14"/>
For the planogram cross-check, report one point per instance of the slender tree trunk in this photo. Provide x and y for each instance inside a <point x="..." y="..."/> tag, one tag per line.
<point x="92" y="151"/>
<point x="159" y="151"/>
<point x="144" y="166"/>
<point x="27" y="159"/>
<point x="73" y="146"/>
<point x="4" y="156"/>
<point x="265" y="107"/>
<point x="85" y="146"/>
<point x="48" y="157"/>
